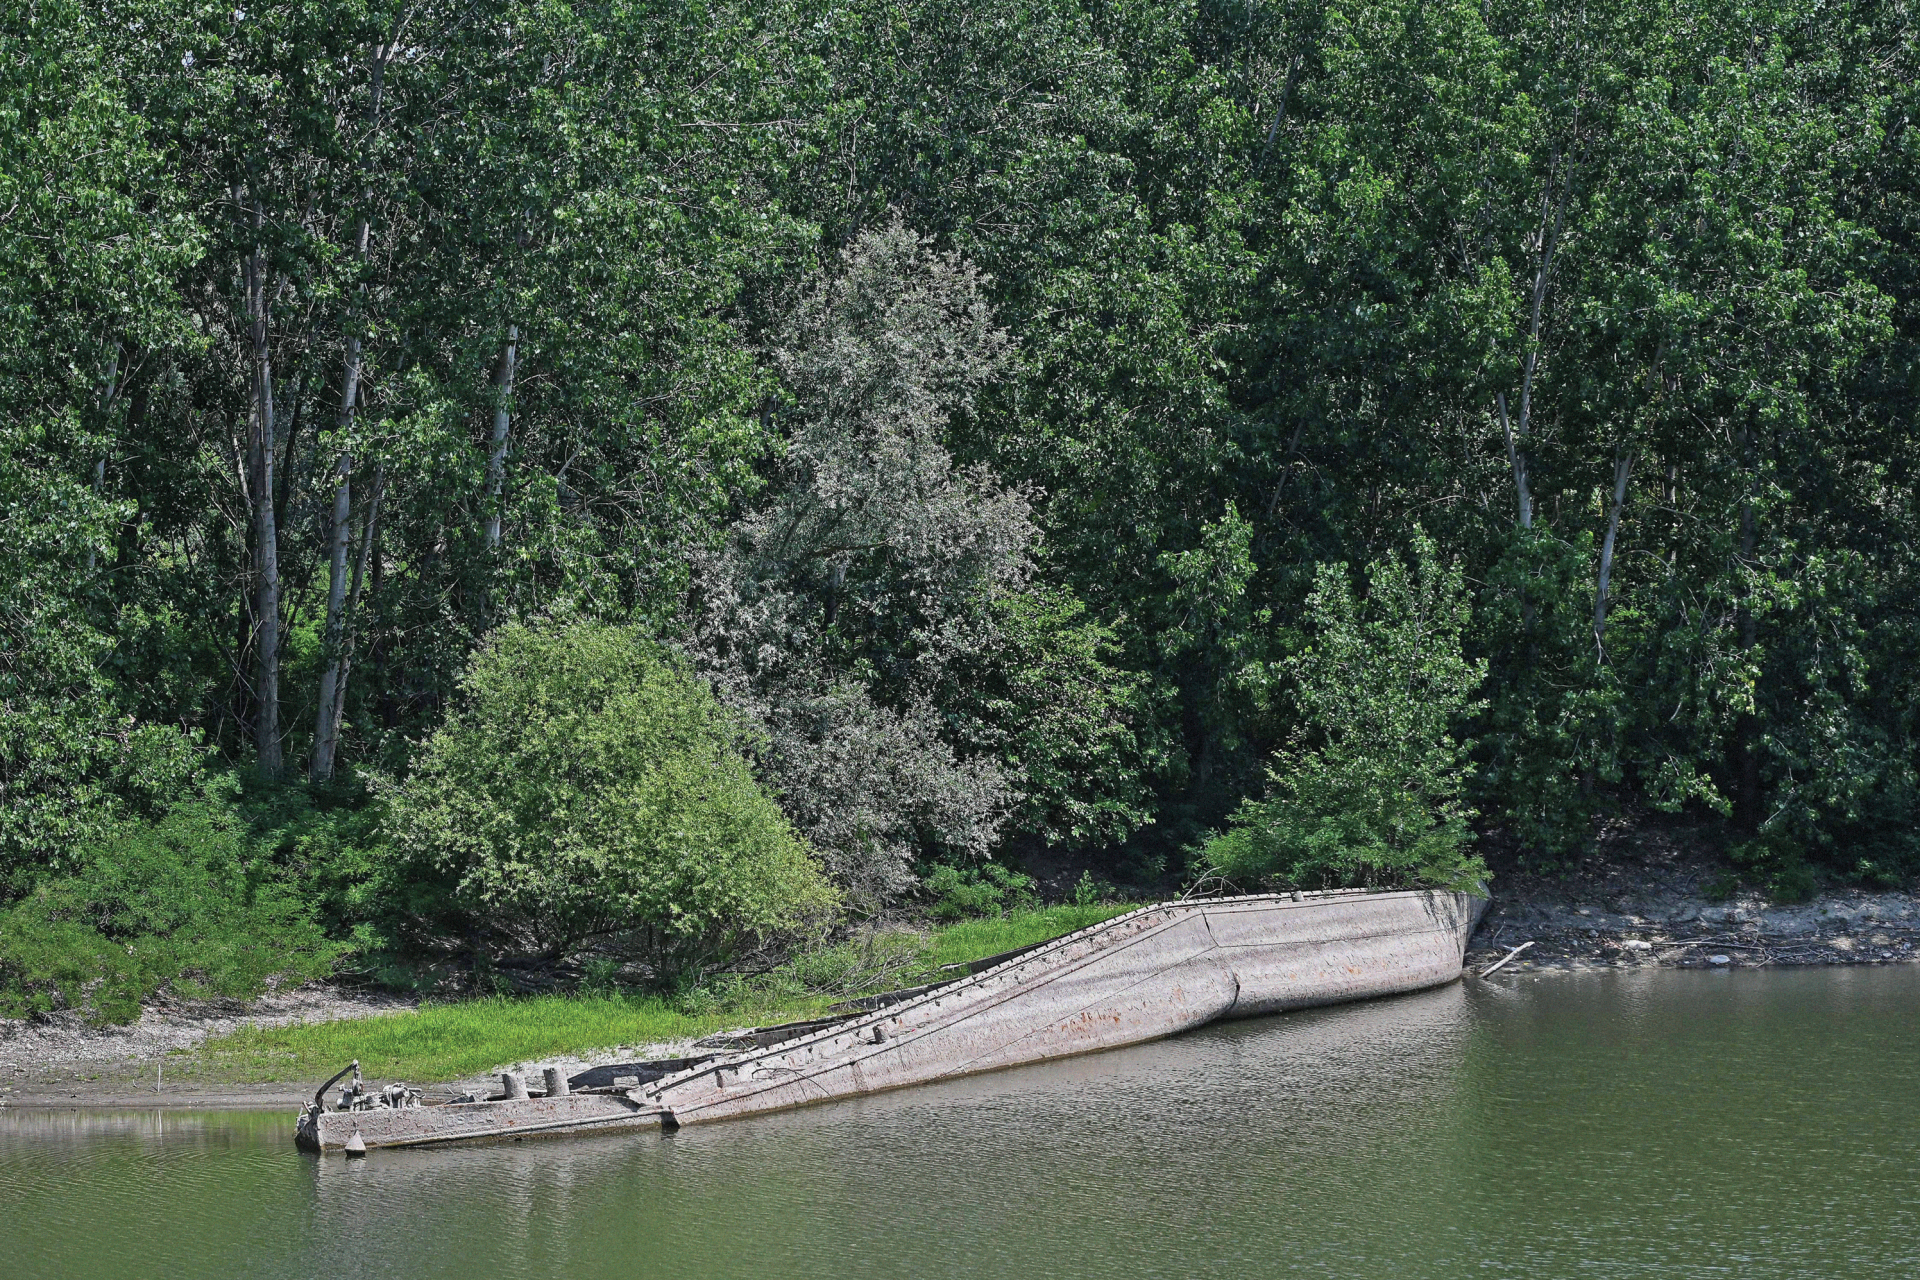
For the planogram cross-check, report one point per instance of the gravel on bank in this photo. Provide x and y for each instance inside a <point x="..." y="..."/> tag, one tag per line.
<point x="59" y="1060"/>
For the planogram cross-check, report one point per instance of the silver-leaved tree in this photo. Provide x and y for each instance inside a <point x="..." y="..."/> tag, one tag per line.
<point x="834" y="612"/>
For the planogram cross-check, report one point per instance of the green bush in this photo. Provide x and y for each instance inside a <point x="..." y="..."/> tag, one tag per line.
<point x="1369" y="791"/>
<point x="71" y="772"/>
<point x="331" y="844"/>
<point x="585" y="785"/>
<point x="180" y="903"/>
<point x="1778" y="864"/>
<point x="989" y="889"/>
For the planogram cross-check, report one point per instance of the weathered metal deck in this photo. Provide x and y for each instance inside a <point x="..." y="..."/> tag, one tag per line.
<point x="1150" y="973"/>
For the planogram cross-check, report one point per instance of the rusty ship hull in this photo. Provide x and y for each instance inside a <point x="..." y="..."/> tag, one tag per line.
<point x="1153" y="972"/>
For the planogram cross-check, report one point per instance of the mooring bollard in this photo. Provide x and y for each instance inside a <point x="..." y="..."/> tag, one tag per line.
<point x="556" y="1082"/>
<point x="516" y="1087"/>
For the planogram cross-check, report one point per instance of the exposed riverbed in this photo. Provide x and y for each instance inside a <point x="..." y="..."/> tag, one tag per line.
<point x="1684" y="932"/>
<point x="1610" y="1124"/>
<point x="1649" y="893"/>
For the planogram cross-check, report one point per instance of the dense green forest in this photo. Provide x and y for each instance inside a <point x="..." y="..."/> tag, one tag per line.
<point x="481" y="478"/>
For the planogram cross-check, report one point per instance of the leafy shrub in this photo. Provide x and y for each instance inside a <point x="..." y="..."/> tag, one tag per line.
<point x="1369" y="790"/>
<point x="179" y="903"/>
<point x="330" y="842"/>
<point x="1778" y="864"/>
<point x="989" y="889"/>
<point x="587" y="785"/>
<point x="600" y="976"/>
<point x="71" y="772"/>
<point x="870" y="784"/>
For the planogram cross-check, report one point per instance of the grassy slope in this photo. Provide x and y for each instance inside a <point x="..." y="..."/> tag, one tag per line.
<point x="978" y="938"/>
<point x="448" y="1041"/>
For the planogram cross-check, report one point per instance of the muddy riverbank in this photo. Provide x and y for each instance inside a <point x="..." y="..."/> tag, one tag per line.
<point x="1693" y="933"/>
<point x="59" y="1060"/>
<point x="1646" y="895"/>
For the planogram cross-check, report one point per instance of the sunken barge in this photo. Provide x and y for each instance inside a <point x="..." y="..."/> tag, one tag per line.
<point x="1150" y="973"/>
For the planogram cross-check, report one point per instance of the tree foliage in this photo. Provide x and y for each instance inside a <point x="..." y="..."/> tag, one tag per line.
<point x="862" y="610"/>
<point x="970" y="392"/>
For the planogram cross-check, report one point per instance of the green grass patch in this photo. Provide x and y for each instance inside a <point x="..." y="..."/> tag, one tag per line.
<point x="445" y="1041"/>
<point x="467" y="1037"/>
<point x="975" y="939"/>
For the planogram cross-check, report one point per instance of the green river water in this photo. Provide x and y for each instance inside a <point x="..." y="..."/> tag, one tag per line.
<point x="1657" y="1124"/>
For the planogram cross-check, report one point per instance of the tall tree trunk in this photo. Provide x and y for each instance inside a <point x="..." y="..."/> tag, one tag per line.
<point x="1673" y="515"/>
<point x="109" y="392"/>
<point x="239" y="689"/>
<point x="326" y="726"/>
<point x="239" y="705"/>
<point x="497" y="454"/>
<point x="338" y="639"/>
<point x="1286" y="460"/>
<point x="1517" y="459"/>
<point x="1746" y="728"/>
<point x="384" y="705"/>
<point x="266" y="544"/>
<point x="836" y="582"/>
<point x="288" y="468"/>
<point x="1622" y="468"/>
<point x="335" y="688"/>
<point x="1518" y="431"/>
<point x="1280" y="114"/>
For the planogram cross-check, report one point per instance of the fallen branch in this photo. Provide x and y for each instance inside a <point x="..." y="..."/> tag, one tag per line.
<point x="1489" y="970"/>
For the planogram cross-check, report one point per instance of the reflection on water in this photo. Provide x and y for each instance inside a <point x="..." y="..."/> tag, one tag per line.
<point x="1655" y="1124"/>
